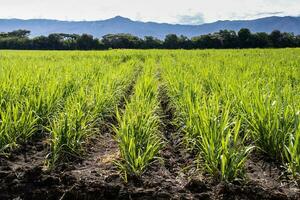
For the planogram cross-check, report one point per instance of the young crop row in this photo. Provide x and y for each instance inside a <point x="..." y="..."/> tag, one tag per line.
<point x="231" y="104"/>
<point x="210" y="127"/>
<point x="138" y="132"/>
<point x="86" y="109"/>
<point x="64" y="98"/>
<point x="31" y="95"/>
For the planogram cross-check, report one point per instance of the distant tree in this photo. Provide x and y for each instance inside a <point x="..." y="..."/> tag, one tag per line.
<point x="297" y="41"/>
<point x="171" y="42"/>
<point x="15" y="43"/>
<point x="69" y="41"/>
<point x="150" y="42"/>
<point x="281" y="40"/>
<point x="121" y="41"/>
<point x="184" y="42"/>
<point x="55" y="41"/>
<point x="207" y="41"/>
<point x="40" y="42"/>
<point x="87" y="42"/>
<point x="228" y="39"/>
<point x="261" y="40"/>
<point x="288" y="40"/>
<point x="19" y="33"/>
<point x="275" y="38"/>
<point x="245" y="38"/>
<point x="15" y="40"/>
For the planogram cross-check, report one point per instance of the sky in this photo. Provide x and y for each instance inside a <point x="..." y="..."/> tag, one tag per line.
<point x="169" y="11"/>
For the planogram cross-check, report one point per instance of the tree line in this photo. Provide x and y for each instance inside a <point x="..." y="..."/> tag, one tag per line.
<point x="224" y="39"/>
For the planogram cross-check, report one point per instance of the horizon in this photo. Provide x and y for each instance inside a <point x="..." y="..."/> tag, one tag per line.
<point x="189" y="12"/>
<point x="124" y="17"/>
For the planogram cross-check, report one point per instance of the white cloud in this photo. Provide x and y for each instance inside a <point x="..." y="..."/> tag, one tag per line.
<point x="191" y="19"/>
<point x="172" y="11"/>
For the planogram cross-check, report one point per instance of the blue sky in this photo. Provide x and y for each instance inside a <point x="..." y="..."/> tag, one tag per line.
<point x="170" y="11"/>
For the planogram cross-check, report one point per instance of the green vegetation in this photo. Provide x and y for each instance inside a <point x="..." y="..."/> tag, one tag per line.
<point x="228" y="104"/>
<point x="138" y="134"/>
<point x="86" y="109"/>
<point x="208" y="119"/>
<point x="235" y="101"/>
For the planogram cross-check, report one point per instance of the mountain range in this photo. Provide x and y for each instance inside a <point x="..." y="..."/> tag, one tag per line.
<point x="120" y="24"/>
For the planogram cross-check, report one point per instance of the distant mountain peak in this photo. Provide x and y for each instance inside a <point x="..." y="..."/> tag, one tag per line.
<point x="119" y="18"/>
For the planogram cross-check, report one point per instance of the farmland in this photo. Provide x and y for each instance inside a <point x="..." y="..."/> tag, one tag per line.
<point x="142" y="124"/>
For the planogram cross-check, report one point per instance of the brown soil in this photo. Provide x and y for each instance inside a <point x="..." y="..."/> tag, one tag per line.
<point x="95" y="177"/>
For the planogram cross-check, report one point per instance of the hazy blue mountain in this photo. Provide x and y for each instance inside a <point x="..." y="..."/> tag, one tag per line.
<point x="124" y="25"/>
